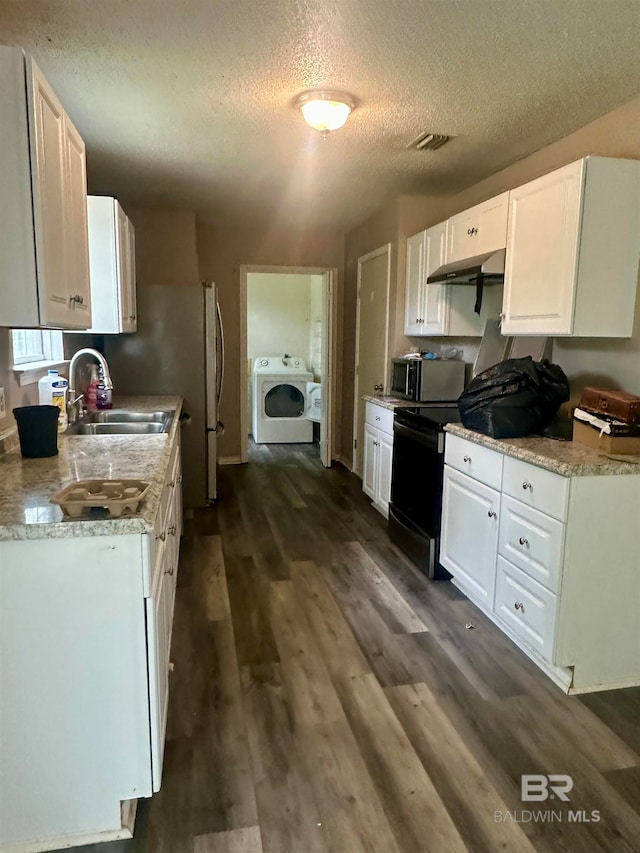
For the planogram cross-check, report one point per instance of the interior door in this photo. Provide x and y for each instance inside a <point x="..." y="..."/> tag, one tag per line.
<point x="371" y="337"/>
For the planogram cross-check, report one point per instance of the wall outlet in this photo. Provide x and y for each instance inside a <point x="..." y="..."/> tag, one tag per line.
<point x="3" y="408"/>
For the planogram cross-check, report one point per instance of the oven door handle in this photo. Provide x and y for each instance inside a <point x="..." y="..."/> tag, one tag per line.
<point x="430" y="439"/>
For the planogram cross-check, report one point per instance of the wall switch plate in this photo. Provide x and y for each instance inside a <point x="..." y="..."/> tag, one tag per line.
<point x="3" y="408"/>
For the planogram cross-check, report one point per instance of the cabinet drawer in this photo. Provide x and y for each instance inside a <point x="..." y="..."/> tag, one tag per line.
<point x="532" y="541"/>
<point x="536" y="487"/>
<point x="472" y="459"/>
<point x="526" y="607"/>
<point x="380" y="418"/>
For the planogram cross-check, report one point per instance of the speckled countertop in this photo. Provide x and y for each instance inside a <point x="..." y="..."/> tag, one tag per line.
<point x="567" y="458"/>
<point x="26" y="485"/>
<point x="387" y="402"/>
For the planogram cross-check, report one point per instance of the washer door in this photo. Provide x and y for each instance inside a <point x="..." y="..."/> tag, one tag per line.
<point x="284" y="401"/>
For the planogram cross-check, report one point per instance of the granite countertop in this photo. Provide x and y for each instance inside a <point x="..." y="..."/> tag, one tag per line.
<point x="387" y="402"/>
<point x="26" y="485"/>
<point x="567" y="458"/>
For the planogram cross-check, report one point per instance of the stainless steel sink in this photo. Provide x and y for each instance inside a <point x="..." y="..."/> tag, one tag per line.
<point x="120" y="422"/>
<point x="122" y="416"/>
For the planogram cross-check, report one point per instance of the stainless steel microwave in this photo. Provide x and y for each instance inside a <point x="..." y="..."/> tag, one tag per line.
<point x="427" y="380"/>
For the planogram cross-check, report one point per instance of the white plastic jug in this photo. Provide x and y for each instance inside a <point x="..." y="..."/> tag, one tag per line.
<point x="52" y="391"/>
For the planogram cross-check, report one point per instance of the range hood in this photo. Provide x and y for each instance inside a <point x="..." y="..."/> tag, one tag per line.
<point x="477" y="271"/>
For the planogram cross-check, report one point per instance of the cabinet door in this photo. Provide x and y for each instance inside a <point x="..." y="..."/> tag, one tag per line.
<point x="122" y="256"/>
<point x="480" y="229"/>
<point x="541" y="262"/>
<point x="76" y="229"/>
<point x="130" y="283"/>
<point x="158" y="632"/>
<point x="385" y="456"/>
<point x="370" y="465"/>
<point x="435" y="302"/>
<point x="414" y="284"/>
<point x="48" y="157"/>
<point x="469" y="543"/>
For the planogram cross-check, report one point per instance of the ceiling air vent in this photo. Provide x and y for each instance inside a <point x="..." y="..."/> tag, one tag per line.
<point x="428" y="141"/>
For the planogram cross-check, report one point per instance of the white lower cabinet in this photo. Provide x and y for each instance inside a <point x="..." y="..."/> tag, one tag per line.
<point x="378" y="456"/>
<point x="85" y="633"/>
<point x="551" y="559"/>
<point x="469" y="538"/>
<point x="526" y="607"/>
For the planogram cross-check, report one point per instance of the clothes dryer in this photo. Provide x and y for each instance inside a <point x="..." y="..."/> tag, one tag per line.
<point x="280" y="400"/>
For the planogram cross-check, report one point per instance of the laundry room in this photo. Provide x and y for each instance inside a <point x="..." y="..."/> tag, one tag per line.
<point x="285" y="343"/>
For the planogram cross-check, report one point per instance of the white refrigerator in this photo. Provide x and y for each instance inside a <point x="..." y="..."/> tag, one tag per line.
<point x="178" y="349"/>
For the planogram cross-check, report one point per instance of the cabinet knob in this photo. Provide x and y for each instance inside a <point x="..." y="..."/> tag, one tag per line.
<point x="519" y="606"/>
<point x="180" y="479"/>
<point x="377" y="387"/>
<point x="377" y="417"/>
<point x="162" y="536"/>
<point x="523" y="541"/>
<point x="169" y="571"/>
<point x="526" y="485"/>
<point x="492" y="513"/>
<point x="467" y="459"/>
<point x="172" y="530"/>
<point x="171" y="484"/>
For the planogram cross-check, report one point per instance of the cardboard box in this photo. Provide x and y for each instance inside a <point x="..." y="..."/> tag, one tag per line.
<point x="590" y="437"/>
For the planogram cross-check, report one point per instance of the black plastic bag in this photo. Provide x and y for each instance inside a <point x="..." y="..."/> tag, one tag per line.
<point x="513" y="398"/>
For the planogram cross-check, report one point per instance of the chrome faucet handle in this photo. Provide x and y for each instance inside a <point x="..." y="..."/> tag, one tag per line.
<point x="75" y="408"/>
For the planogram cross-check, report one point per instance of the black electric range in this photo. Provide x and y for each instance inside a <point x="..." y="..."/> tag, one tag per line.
<point x="415" y="510"/>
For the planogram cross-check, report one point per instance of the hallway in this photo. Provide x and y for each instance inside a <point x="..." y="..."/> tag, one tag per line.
<point x="326" y="698"/>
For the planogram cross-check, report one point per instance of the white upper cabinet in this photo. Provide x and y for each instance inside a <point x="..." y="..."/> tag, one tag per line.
<point x="573" y="251"/>
<point x="43" y="225"/>
<point x="425" y="306"/>
<point x="441" y="309"/>
<point x="112" y="265"/>
<point x="480" y="229"/>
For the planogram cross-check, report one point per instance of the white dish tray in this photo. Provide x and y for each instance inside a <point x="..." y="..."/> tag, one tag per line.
<point x="117" y="496"/>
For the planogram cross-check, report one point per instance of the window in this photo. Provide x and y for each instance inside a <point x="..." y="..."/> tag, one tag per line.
<point x="35" y="350"/>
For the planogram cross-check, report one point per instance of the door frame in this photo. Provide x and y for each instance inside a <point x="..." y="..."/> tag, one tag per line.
<point x="362" y="260"/>
<point x="330" y="357"/>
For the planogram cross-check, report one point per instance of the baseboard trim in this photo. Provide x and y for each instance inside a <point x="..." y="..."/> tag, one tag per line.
<point x="343" y="461"/>
<point x="229" y="460"/>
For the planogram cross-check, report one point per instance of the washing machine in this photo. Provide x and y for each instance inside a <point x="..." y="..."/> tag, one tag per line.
<point x="280" y="400"/>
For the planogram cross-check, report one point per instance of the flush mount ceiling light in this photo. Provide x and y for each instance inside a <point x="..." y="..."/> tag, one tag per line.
<point x="325" y="110"/>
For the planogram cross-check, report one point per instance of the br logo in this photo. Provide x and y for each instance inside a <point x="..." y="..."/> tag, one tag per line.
<point x="536" y="786"/>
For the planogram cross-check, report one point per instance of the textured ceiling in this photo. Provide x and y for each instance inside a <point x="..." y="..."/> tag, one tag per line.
<point x="188" y="102"/>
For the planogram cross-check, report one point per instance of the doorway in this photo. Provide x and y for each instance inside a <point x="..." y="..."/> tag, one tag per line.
<point x="274" y="318"/>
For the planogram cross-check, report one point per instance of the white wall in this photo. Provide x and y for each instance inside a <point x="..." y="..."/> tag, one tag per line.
<point x="278" y="314"/>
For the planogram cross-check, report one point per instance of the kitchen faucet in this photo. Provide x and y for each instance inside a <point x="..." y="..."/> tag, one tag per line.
<point x="74" y="407"/>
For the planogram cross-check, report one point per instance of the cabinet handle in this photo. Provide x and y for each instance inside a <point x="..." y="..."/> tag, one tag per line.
<point x="472" y="231"/>
<point x="180" y="479"/>
<point x="171" y="484"/>
<point x="172" y="530"/>
<point x="519" y="606"/>
<point x="162" y="535"/>
<point x="523" y="541"/>
<point x="467" y="459"/>
<point x="492" y="513"/>
<point x="526" y="485"/>
<point x="169" y="571"/>
<point x="377" y="387"/>
<point x="377" y="417"/>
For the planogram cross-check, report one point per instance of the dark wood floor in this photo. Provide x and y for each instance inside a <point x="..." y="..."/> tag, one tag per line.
<point x="326" y="698"/>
